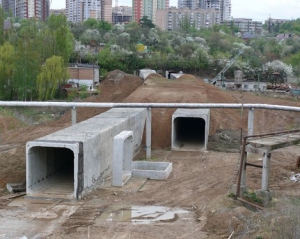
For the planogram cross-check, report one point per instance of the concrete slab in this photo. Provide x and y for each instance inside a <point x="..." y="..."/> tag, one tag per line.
<point x="151" y="170"/>
<point x="82" y="153"/>
<point x="190" y="129"/>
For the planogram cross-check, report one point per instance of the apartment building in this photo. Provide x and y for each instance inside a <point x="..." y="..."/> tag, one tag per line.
<point x="171" y="19"/>
<point x="106" y="10"/>
<point x="147" y="8"/>
<point x="39" y="9"/>
<point x="246" y="25"/>
<point x="223" y="6"/>
<point x="81" y="10"/>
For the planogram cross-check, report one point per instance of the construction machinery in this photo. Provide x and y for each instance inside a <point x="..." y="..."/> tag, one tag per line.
<point x="220" y="76"/>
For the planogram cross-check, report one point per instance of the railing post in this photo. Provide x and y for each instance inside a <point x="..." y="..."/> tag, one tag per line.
<point x="148" y="133"/>
<point x="250" y="121"/>
<point x="266" y="171"/>
<point x="74" y="115"/>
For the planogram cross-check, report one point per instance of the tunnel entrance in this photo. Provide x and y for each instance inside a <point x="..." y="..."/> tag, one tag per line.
<point x="190" y="129"/>
<point x="50" y="172"/>
<point x="189" y="132"/>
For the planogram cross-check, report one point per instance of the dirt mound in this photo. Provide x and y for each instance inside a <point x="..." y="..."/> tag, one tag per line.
<point x="154" y="76"/>
<point x="188" y="90"/>
<point x="115" y="75"/>
<point x="187" y="76"/>
<point x="192" y="90"/>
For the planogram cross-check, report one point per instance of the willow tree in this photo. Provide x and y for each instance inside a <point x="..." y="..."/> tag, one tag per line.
<point x="6" y="70"/>
<point x="2" y="17"/>
<point x="51" y="77"/>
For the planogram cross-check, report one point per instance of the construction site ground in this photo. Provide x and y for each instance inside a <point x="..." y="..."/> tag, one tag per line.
<point x="194" y="202"/>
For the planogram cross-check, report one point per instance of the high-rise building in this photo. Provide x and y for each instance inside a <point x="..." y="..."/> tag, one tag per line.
<point x="81" y="10"/>
<point x="27" y="8"/>
<point x="147" y="8"/>
<point x="223" y="6"/>
<point x="137" y="7"/>
<point x="106" y="10"/>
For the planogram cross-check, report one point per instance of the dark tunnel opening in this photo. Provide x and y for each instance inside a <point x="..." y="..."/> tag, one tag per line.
<point x="189" y="132"/>
<point x="52" y="171"/>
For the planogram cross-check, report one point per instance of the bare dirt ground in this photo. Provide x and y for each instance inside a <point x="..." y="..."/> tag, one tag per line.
<point x="198" y="184"/>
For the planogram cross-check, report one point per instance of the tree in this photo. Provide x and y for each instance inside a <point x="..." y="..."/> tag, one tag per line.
<point x="53" y="74"/>
<point x="186" y="26"/>
<point x="6" y="70"/>
<point x="91" y="23"/>
<point x="80" y="51"/>
<point x="63" y="37"/>
<point x="90" y="35"/>
<point x="1" y="25"/>
<point x="104" y="26"/>
<point x="26" y="68"/>
<point x="146" y="22"/>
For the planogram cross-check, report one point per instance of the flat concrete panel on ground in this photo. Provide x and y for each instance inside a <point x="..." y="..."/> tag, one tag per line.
<point x="190" y="129"/>
<point x="79" y="157"/>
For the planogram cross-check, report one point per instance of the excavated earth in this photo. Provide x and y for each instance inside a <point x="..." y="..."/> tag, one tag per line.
<point x="197" y="188"/>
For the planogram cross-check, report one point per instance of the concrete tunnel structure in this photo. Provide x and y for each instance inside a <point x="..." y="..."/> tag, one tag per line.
<point x="68" y="163"/>
<point x="190" y="129"/>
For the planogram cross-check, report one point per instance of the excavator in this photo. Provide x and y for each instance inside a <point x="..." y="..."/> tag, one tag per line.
<point x="227" y="66"/>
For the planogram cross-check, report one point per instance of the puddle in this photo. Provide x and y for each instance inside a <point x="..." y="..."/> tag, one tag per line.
<point x="141" y="214"/>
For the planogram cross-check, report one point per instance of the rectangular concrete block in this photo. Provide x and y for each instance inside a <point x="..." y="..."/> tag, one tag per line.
<point x="151" y="170"/>
<point x="190" y="129"/>
<point x="68" y="163"/>
<point x="122" y="158"/>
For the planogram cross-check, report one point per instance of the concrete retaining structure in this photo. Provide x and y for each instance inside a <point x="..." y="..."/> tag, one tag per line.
<point x="190" y="129"/>
<point x="122" y="158"/>
<point x="66" y="164"/>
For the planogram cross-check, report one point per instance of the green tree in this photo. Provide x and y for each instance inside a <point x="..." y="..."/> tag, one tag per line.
<point x="104" y="26"/>
<point x="52" y="76"/>
<point x="186" y="26"/>
<point x="1" y="25"/>
<point x="6" y="70"/>
<point x="146" y="22"/>
<point x="26" y="68"/>
<point x="63" y="38"/>
<point x="91" y="23"/>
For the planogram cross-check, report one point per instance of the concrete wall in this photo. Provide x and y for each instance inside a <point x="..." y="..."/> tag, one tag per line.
<point x="95" y="137"/>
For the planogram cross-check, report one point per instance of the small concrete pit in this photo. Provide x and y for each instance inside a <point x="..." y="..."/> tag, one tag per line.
<point x="190" y="129"/>
<point x="151" y="170"/>
<point x="68" y="163"/>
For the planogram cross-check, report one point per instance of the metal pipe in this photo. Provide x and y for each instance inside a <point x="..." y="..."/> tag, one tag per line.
<point x="148" y="133"/>
<point x="147" y="105"/>
<point x="254" y="165"/>
<point x="250" y="203"/>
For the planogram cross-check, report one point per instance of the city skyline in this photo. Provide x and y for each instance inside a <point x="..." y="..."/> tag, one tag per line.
<point x="258" y="10"/>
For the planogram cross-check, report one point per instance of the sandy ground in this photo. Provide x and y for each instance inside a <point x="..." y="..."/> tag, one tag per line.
<point x="196" y="193"/>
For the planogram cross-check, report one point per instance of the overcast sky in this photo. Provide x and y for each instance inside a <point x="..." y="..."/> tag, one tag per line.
<point x="258" y="10"/>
